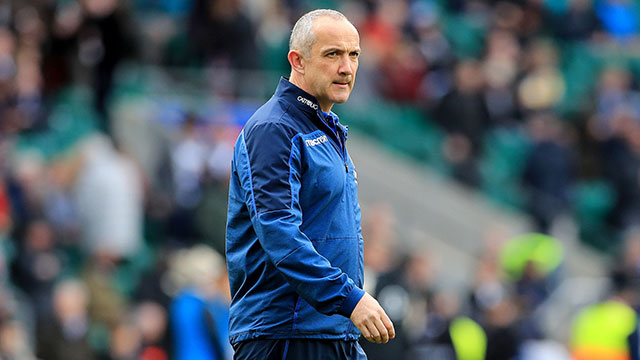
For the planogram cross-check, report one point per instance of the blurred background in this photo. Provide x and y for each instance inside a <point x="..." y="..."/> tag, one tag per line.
<point x="497" y="143"/>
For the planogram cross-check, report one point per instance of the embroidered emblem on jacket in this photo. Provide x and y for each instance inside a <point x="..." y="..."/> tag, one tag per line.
<point x="308" y="102"/>
<point x="317" y="141"/>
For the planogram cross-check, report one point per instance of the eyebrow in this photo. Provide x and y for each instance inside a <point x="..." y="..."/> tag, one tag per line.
<point x="339" y="49"/>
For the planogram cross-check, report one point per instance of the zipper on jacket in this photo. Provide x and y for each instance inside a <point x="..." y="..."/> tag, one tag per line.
<point x="343" y="139"/>
<point x="344" y="156"/>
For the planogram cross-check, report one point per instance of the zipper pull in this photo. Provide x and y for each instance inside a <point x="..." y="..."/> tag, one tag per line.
<point x="346" y="167"/>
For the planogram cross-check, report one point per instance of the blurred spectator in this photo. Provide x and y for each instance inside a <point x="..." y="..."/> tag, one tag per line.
<point x="549" y="170"/>
<point x="274" y="26"/>
<point x="500" y="67"/>
<point x="619" y="18"/>
<point x="509" y="16"/>
<point x="189" y="160"/>
<point x="435" y="340"/>
<point x="380" y="241"/>
<point x="493" y="306"/>
<point x="223" y="137"/>
<point x="493" y="303"/>
<point x="464" y="115"/>
<point x="435" y="49"/>
<point x="542" y="87"/>
<point x="126" y="342"/>
<point x="399" y="61"/>
<point x="89" y="38"/>
<point x="532" y="262"/>
<point x="109" y="197"/>
<point x="152" y="285"/>
<point x="621" y="167"/>
<point x="106" y="300"/>
<point x="402" y="293"/>
<point x="103" y="41"/>
<point x="502" y="328"/>
<point x="613" y="95"/>
<point x="14" y="343"/>
<point x="488" y="288"/>
<point x="425" y="22"/>
<point x="402" y="73"/>
<point x="532" y="266"/>
<point x="28" y="83"/>
<point x="210" y="214"/>
<point x="380" y="31"/>
<point x="59" y="207"/>
<point x="59" y="58"/>
<point x="66" y="334"/>
<point x="627" y="265"/>
<point x="576" y="21"/>
<point x="199" y="313"/>
<point x="602" y="330"/>
<point x="151" y="320"/>
<point x="532" y="19"/>
<point x="222" y="35"/>
<point x="38" y="265"/>
<point x="26" y="184"/>
<point x="142" y="336"/>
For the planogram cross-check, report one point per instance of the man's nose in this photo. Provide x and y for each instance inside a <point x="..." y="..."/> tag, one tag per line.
<point x="346" y="67"/>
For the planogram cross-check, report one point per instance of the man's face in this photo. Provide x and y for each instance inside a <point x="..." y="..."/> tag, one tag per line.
<point x="330" y="70"/>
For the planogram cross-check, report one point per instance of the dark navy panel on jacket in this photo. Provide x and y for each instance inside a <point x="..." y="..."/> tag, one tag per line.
<point x="294" y="243"/>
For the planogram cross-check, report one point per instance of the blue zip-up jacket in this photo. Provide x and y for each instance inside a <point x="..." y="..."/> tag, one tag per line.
<point x="294" y="242"/>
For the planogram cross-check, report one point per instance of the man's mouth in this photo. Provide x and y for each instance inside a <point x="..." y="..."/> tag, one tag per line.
<point x="341" y="84"/>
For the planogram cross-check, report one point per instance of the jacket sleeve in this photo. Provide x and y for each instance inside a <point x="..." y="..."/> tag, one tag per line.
<point x="273" y="172"/>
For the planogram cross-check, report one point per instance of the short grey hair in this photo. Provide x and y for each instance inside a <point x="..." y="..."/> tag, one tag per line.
<point x="302" y="35"/>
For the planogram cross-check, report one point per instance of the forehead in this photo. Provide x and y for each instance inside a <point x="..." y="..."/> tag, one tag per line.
<point x="332" y="32"/>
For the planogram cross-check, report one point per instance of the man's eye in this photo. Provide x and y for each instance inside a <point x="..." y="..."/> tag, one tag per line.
<point x="333" y="53"/>
<point x="355" y="54"/>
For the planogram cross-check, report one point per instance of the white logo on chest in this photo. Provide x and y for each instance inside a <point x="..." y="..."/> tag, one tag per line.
<point x="317" y="141"/>
<point x="308" y="102"/>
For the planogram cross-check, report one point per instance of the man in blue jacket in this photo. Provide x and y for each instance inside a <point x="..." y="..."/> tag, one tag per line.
<point x="294" y="243"/>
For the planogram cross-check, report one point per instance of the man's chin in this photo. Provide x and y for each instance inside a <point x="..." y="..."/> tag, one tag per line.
<point x="340" y="99"/>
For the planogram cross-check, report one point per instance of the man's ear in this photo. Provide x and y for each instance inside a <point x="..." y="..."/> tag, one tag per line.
<point x="297" y="61"/>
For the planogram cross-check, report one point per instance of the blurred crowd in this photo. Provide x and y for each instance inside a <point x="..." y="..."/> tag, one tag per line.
<point x="111" y="254"/>
<point x="500" y="312"/>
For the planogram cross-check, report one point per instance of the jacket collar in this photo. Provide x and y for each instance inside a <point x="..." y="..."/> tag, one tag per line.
<point x="299" y="98"/>
<point x="305" y="102"/>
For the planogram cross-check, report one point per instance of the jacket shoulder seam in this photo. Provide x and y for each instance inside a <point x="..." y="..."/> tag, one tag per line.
<point x="250" y="171"/>
<point x="291" y="166"/>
